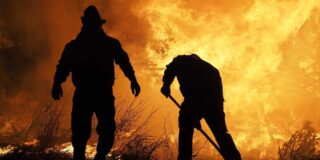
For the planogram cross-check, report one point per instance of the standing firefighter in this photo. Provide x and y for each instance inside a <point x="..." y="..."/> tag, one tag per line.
<point x="90" y="58"/>
<point x="201" y="86"/>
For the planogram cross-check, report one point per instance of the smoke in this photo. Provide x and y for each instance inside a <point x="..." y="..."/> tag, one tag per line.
<point x="23" y="44"/>
<point x="5" y="42"/>
<point x="32" y="37"/>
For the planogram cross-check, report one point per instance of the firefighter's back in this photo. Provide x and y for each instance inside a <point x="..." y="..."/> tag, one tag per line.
<point x="198" y="78"/>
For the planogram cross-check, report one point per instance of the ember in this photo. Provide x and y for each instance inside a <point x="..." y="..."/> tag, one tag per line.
<point x="33" y="143"/>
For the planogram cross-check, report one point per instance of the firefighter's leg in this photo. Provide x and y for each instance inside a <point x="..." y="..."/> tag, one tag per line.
<point x="105" y="129"/>
<point x="81" y="128"/>
<point x="217" y="124"/>
<point x="185" y="136"/>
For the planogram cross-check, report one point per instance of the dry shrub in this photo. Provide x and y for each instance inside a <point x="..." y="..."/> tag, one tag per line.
<point x="132" y="134"/>
<point x="302" y="145"/>
<point x="45" y="126"/>
<point x="132" y="138"/>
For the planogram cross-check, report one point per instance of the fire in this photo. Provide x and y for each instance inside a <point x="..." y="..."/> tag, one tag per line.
<point x="32" y="143"/>
<point x="267" y="53"/>
<point x="68" y="149"/>
<point x="90" y="150"/>
<point x="6" y="150"/>
<point x="247" y="45"/>
<point x="65" y="148"/>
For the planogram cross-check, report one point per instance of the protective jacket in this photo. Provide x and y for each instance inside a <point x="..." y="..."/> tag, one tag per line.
<point x="198" y="79"/>
<point x="90" y="58"/>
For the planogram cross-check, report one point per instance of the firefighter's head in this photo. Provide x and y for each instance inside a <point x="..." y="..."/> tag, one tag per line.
<point x="91" y="18"/>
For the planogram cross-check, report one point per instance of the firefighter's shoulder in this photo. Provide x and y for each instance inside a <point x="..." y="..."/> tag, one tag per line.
<point x="70" y="44"/>
<point x="180" y="58"/>
<point x="112" y="40"/>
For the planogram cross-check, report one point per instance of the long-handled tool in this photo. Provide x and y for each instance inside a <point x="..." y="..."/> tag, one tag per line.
<point x="200" y="129"/>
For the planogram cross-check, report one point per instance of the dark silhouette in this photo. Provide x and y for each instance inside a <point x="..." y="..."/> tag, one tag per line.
<point x="201" y="86"/>
<point x="90" y="58"/>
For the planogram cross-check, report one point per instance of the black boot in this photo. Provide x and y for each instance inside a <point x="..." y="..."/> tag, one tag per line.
<point x="99" y="157"/>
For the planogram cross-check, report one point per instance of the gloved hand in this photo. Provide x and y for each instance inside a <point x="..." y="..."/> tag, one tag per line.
<point x="197" y="124"/>
<point x="56" y="92"/>
<point x="135" y="88"/>
<point x="165" y="90"/>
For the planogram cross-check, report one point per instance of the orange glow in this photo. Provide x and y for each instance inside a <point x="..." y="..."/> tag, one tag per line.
<point x="268" y="53"/>
<point x="33" y="143"/>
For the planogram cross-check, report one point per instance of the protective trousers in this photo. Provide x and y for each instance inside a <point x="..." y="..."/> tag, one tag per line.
<point x="84" y="105"/>
<point x="215" y="118"/>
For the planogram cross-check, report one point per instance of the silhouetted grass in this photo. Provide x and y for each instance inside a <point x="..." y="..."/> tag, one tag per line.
<point x="302" y="145"/>
<point x="133" y="141"/>
<point x="34" y="153"/>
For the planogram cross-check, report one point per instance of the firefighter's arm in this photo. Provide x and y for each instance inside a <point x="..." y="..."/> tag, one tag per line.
<point x="169" y="75"/>
<point x="122" y="58"/>
<point x="62" y="72"/>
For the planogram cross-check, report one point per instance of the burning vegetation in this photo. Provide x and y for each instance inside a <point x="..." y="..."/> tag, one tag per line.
<point x="303" y="144"/>
<point x="133" y="142"/>
<point x="52" y="142"/>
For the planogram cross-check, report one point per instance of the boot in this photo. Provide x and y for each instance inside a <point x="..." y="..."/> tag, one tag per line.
<point x="99" y="157"/>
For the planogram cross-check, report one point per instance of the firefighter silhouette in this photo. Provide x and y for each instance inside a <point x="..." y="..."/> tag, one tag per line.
<point x="90" y="58"/>
<point x="201" y="86"/>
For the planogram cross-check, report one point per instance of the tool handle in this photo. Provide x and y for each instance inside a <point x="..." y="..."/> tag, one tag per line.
<point x="174" y="101"/>
<point x="211" y="141"/>
<point x="200" y="129"/>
